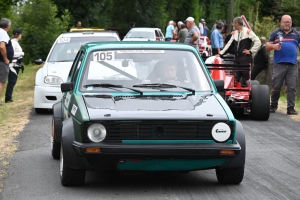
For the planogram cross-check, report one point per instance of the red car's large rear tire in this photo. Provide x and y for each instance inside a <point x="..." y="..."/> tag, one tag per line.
<point x="260" y="105"/>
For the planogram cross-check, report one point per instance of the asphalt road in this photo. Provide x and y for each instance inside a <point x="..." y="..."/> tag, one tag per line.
<point x="272" y="170"/>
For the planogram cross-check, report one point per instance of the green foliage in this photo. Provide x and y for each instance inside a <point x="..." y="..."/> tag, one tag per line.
<point x="5" y="8"/>
<point x="265" y="27"/>
<point x="40" y="28"/>
<point x="92" y="13"/>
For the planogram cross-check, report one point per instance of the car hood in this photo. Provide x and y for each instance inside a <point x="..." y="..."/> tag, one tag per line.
<point x="196" y="107"/>
<point x="138" y="39"/>
<point x="60" y="69"/>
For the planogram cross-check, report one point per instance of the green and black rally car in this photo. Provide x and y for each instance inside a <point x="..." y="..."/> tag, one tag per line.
<point x="144" y="106"/>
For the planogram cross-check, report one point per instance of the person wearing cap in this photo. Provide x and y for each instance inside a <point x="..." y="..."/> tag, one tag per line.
<point x="201" y="27"/>
<point x="193" y="35"/>
<point x="14" y="67"/>
<point x="6" y="52"/>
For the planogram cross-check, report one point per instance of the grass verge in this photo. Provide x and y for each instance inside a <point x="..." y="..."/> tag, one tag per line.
<point x="14" y="116"/>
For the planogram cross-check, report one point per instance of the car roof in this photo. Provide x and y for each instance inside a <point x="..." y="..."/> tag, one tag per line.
<point x="137" y="45"/>
<point x="144" y="29"/>
<point x="90" y="34"/>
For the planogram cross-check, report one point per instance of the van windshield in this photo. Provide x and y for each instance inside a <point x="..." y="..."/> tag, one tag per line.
<point x="66" y="48"/>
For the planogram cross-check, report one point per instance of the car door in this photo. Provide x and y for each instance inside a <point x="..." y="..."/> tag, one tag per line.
<point x="161" y="35"/>
<point x="73" y="74"/>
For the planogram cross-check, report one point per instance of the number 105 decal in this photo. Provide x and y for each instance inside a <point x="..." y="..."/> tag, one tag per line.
<point x="103" y="55"/>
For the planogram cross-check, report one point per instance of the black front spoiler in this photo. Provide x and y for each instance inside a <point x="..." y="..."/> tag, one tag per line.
<point x="186" y="151"/>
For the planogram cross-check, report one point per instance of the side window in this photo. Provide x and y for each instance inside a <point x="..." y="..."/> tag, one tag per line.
<point x="156" y="34"/>
<point x="161" y="35"/>
<point x="75" y="62"/>
<point x="77" y="68"/>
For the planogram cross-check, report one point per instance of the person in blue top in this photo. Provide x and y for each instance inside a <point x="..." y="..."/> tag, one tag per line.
<point x="285" y="42"/>
<point x="169" y="31"/>
<point x="216" y="39"/>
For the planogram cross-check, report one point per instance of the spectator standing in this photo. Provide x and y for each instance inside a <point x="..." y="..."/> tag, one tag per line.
<point x="132" y="25"/>
<point x="182" y="33"/>
<point x="14" y="67"/>
<point x="225" y="29"/>
<point x="201" y="27"/>
<point x="170" y="31"/>
<point x="285" y="42"/>
<point x="6" y="52"/>
<point x="193" y="35"/>
<point x="179" y="25"/>
<point x="216" y="39"/>
<point x="214" y="26"/>
<point x="78" y="24"/>
<point x="205" y="29"/>
<point x="261" y="59"/>
<point x="240" y="45"/>
<point x="175" y="30"/>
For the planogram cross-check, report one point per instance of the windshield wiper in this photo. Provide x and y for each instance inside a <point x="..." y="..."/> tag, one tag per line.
<point x="163" y="85"/>
<point x="108" y="85"/>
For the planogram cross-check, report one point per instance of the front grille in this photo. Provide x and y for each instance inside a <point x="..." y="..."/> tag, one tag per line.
<point x="159" y="130"/>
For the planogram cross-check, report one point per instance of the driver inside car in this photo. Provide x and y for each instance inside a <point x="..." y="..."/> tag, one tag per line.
<point x="165" y="71"/>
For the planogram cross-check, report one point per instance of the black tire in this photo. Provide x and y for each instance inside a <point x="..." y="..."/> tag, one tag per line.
<point x="230" y="175"/>
<point x="254" y="82"/>
<point x="55" y="146"/>
<point x="70" y="177"/>
<point x="40" y="110"/>
<point x="260" y="105"/>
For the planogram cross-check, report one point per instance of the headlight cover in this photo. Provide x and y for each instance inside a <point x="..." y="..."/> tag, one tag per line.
<point x="221" y="132"/>
<point x="53" y="80"/>
<point x="96" y="132"/>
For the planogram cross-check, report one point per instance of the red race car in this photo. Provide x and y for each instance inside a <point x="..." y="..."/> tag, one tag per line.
<point x="252" y="99"/>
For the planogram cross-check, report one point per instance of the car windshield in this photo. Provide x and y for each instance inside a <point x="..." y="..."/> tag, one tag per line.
<point x="143" y="69"/>
<point x="140" y="34"/>
<point x="66" y="48"/>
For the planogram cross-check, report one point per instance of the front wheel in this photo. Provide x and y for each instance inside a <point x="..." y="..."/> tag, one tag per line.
<point x="230" y="175"/>
<point x="55" y="146"/>
<point x="70" y="177"/>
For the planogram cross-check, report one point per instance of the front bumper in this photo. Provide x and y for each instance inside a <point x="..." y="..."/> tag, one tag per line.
<point x="45" y="97"/>
<point x="159" y="151"/>
<point x="160" y="157"/>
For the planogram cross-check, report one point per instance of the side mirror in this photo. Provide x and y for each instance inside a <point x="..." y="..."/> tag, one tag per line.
<point x="38" y="62"/>
<point x="219" y="85"/>
<point x="66" y="87"/>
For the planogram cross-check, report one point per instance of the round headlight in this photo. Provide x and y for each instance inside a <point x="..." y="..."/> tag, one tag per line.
<point x="221" y="132"/>
<point x="96" y="132"/>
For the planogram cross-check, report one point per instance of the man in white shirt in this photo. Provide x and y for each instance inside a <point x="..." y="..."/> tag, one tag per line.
<point x="6" y="51"/>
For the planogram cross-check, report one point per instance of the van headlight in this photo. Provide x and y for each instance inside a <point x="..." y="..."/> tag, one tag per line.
<point x="96" y="132"/>
<point x="221" y="132"/>
<point x="53" y="80"/>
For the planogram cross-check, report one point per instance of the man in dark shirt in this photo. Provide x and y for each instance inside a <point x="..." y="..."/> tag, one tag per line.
<point x="261" y="59"/>
<point x="6" y="51"/>
<point x="285" y="42"/>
